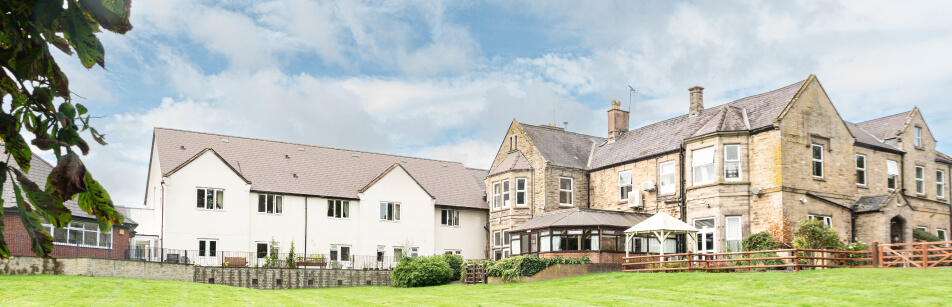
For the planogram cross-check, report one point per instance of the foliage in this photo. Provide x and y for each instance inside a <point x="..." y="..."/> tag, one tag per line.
<point x="289" y="261"/>
<point x="456" y="263"/>
<point x="422" y="272"/>
<point x="760" y="241"/>
<point x="32" y="79"/>
<point x="923" y="235"/>
<point x="527" y="265"/>
<point x="272" y="259"/>
<point x="814" y="234"/>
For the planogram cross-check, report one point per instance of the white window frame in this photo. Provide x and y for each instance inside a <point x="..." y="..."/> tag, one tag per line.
<point x="739" y="235"/>
<point x="453" y="252"/>
<point x="918" y="135"/>
<point x="671" y="187"/>
<point x="892" y="173"/>
<point x="205" y="248"/>
<point x="728" y="161"/>
<point x="923" y="228"/>
<point x="337" y="251"/>
<point x="828" y="220"/>
<point x="815" y="160"/>
<point x="497" y="238"/>
<point x="710" y="166"/>
<point x="920" y="180"/>
<point x="706" y="231"/>
<point x="525" y="196"/>
<point x="277" y="204"/>
<point x="82" y="228"/>
<point x="449" y="217"/>
<point x="569" y="191"/>
<point x="624" y="186"/>
<point x="389" y="211"/>
<point x="940" y="183"/>
<point x="942" y="233"/>
<point x="506" y="194"/>
<point x="497" y="196"/>
<point x="216" y="195"/>
<point x="414" y="252"/>
<point x="506" y="240"/>
<point x="861" y="169"/>
<point x="338" y="209"/>
<point x="381" y="253"/>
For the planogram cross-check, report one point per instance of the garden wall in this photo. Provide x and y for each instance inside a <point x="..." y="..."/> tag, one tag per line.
<point x="94" y="267"/>
<point x="261" y="278"/>
<point x="560" y="271"/>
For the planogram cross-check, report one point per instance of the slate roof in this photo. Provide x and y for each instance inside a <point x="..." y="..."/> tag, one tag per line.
<point x="512" y="161"/>
<point x="560" y="147"/>
<point x="864" y="137"/>
<point x="271" y="166"/>
<point x="584" y="217"/>
<point x="480" y="176"/>
<point x="870" y="203"/>
<point x="39" y="170"/>
<point x="944" y="158"/>
<point x="885" y="128"/>
<point x="667" y="135"/>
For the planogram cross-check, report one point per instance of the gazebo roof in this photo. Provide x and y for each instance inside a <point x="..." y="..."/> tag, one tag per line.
<point x="662" y="222"/>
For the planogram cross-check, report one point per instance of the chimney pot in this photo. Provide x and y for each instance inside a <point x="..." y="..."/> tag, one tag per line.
<point x="697" y="100"/>
<point x="617" y="120"/>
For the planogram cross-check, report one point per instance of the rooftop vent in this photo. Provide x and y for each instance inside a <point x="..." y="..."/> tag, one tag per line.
<point x="300" y="148"/>
<point x="444" y="164"/>
<point x="403" y="160"/>
<point x="183" y="147"/>
<point x="287" y="156"/>
<point x="353" y="155"/>
<point x="295" y="175"/>
<point x="224" y="140"/>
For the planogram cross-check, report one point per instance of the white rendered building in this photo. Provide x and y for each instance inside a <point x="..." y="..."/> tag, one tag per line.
<point x="210" y="192"/>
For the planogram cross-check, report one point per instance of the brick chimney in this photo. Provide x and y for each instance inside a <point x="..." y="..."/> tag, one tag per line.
<point x="697" y="100"/>
<point x="617" y="120"/>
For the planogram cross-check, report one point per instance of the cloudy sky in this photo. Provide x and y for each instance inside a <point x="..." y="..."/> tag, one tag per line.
<point x="444" y="79"/>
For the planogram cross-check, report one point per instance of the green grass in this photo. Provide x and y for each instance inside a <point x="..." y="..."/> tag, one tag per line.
<point x="810" y="288"/>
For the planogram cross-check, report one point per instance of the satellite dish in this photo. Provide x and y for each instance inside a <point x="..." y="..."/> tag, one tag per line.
<point x="755" y="191"/>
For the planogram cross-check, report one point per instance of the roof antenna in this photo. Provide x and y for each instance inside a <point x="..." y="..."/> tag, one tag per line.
<point x="631" y="92"/>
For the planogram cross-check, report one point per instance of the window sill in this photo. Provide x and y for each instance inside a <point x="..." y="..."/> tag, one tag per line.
<point x="862" y="186"/>
<point x="338" y="218"/>
<point x="273" y="214"/>
<point x="566" y="205"/>
<point x="80" y="246"/>
<point x="448" y="226"/>
<point x="522" y="206"/>
<point x="389" y="221"/>
<point x="819" y="179"/>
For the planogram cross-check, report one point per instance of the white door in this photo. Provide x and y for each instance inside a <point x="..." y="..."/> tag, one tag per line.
<point x="705" y="235"/>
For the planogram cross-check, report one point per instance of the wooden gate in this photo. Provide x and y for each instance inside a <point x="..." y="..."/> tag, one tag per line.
<point x="475" y="274"/>
<point x="923" y="255"/>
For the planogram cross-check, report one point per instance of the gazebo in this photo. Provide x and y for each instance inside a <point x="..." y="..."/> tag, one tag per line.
<point x="661" y="225"/>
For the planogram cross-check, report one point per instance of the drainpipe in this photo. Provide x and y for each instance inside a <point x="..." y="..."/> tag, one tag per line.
<point x="684" y="199"/>
<point x="162" y="223"/>
<point x="305" y="227"/>
<point x="852" y="226"/>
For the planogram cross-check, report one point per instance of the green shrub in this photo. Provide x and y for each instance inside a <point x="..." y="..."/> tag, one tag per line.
<point x="922" y="235"/>
<point x="760" y="241"/>
<point x="456" y="264"/>
<point x="814" y="234"/>
<point x="515" y="267"/>
<point x="421" y="272"/>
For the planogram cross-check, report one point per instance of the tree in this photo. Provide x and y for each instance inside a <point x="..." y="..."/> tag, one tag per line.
<point x="31" y="86"/>
<point x="814" y="234"/>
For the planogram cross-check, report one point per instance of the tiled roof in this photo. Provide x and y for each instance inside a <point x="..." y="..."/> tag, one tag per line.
<point x="864" y="137"/>
<point x="271" y="166"/>
<point x="584" y="217"/>
<point x="39" y="170"/>
<point x="870" y="203"/>
<point x="886" y="127"/>
<point x="944" y="158"/>
<point x="512" y="161"/>
<point x="668" y="135"/>
<point x="480" y="176"/>
<point x="560" y="147"/>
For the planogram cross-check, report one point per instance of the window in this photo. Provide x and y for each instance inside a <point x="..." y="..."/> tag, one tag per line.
<point x="497" y="239"/>
<point x="861" y="170"/>
<point x="449" y="217"/>
<point x="389" y="211"/>
<point x="381" y="253"/>
<point x="497" y="199"/>
<point x="452" y="252"/>
<point x="667" y="178"/>
<point x="703" y="162"/>
<point x="918" y="137"/>
<point x="817" y="161"/>
<point x="624" y="185"/>
<point x="207" y="248"/>
<point x="939" y="183"/>
<point x="211" y="199"/>
<point x="731" y="162"/>
<point x="397" y="253"/>
<point x="734" y="233"/>
<point x="520" y="192"/>
<point x="517" y="246"/>
<point x="414" y="252"/>
<point x="505" y="238"/>
<point x="338" y="209"/>
<point x="340" y="253"/>
<point x="923" y="228"/>
<point x="920" y="180"/>
<point x="892" y="173"/>
<point x="824" y="218"/>
<point x="265" y="249"/>
<point x="270" y="203"/>
<point x="505" y="194"/>
<point x="497" y="254"/>
<point x="81" y="234"/>
<point x="942" y="234"/>
<point x="565" y="191"/>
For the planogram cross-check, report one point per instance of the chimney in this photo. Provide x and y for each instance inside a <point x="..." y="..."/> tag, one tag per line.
<point x="697" y="100"/>
<point x="617" y="120"/>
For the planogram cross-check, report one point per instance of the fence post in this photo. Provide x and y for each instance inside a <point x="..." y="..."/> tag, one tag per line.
<point x="925" y="255"/>
<point x="875" y="254"/>
<point x="748" y="261"/>
<point x="690" y="262"/>
<point x="796" y="260"/>
<point x="77" y="250"/>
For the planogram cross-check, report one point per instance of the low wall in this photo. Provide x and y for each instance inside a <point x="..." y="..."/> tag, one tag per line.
<point x="560" y="271"/>
<point x="260" y="278"/>
<point x="94" y="267"/>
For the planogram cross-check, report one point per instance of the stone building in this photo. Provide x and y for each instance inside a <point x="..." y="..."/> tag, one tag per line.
<point x="761" y="163"/>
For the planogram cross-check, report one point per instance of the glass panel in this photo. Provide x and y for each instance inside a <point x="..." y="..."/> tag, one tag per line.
<point x="496" y="239"/>
<point x="59" y="235"/>
<point x="526" y="245"/>
<point x="860" y="162"/>
<point x="396" y="207"/>
<point x="262" y="250"/>
<point x="330" y="208"/>
<point x="624" y="178"/>
<point x="571" y="243"/>
<point x="201" y="248"/>
<point x="278" y="204"/>
<point x="200" y="198"/>
<point x="443" y="217"/>
<point x="702" y="156"/>
<point x="817" y="152"/>
<point x="515" y="247"/>
<point x="505" y="193"/>
<point x="345" y="253"/>
<point x="75" y="236"/>
<point x="704" y="223"/>
<point x="731" y="153"/>
<point x="556" y="243"/>
<point x="534" y="243"/>
<point x="105" y="240"/>
<point x="892" y="168"/>
<point x="546" y="244"/>
<point x="346" y="209"/>
<point x="733" y="228"/>
<point x="521" y="184"/>
<point x="732" y="170"/>
<point x="209" y="199"/>
<point x="817" y="169"/>
<point x="261" y="203"/>
<point x="270" y="199"/>
<point x="220" y="199"/>
<point x="565" y="184"/>
<point x="90" y="238"/>
<point x="212" y="248"/>
<point x="333" y="255"/>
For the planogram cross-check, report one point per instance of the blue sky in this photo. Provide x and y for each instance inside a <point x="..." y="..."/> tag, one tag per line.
<point x="444" y="79"/>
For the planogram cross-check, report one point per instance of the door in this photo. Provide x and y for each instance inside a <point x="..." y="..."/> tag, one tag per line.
<point x="705" y="235"/>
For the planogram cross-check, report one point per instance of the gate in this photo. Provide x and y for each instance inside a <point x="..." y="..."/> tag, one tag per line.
<point x="923" y="255"/>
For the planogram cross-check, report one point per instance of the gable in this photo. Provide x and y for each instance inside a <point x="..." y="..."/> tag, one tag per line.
<point x="206" y="160"/>
<point x="812" y="113"/>
<point x="395" y="179"/>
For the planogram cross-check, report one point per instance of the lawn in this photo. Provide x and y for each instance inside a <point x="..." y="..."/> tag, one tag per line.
<point x="810" y="288"/>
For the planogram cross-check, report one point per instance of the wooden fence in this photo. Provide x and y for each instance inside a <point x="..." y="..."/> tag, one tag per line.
<point x="922" y="255"/>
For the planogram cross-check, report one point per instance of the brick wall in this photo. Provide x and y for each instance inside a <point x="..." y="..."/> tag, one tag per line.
<point x="19" y="242"/>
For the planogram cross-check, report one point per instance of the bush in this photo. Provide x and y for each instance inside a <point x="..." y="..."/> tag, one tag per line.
<point x="421" y="272"/>
<point x="760" y="241"/>
<point x="515" y="267"/>
<point x="922" y="235"/>
<point x="814" y="234"/>
<point x="456" y="264"/>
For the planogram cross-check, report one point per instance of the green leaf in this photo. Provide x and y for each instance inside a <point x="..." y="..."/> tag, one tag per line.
<point x="60" y="82"/>
<point x="96" y="201"/>
<point x="41" y="243"/>
<point x="4" y="249"/>
<point x="68" y="177"/>
<point x="81" y="35"/>
<point x="70" y="136"/>
<point x="112" y="15"/>
<point x="81" y="109"/>
<point x="51" y="207"/>
<point x="100" y="138"/>
<point x="68" y="110"/>
<point x="14" y="142"/>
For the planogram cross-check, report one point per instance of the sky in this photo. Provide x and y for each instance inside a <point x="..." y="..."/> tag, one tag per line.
<point x="444" y="80"/>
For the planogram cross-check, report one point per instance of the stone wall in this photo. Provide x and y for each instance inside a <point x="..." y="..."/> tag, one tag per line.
<point x="260" y="278"/>
<point x="604" y="192"/>
<point x="560" y="271"/>
<point x="97" y="268"/>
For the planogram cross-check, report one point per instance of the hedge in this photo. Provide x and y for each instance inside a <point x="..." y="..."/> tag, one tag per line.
<point x="515" y="267"/>
<point x="422" y="272"/>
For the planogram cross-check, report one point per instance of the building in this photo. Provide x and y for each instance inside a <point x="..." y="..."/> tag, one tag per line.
<point x="761" y="163"/>
<point x="81" y="238"/>
<point x="209" y="193"/>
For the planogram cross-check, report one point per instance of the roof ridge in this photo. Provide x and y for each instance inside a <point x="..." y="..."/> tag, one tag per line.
<point x="887" y="116"/>
<point x="561" y="130"/>
<point x="313" y="146"/>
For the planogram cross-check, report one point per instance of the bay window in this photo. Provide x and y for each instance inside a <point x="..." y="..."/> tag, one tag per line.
<point x="731" y="162"/>
<point x="497" y="198"/>
<point x="940" y="183"/>
<point x="702" y="161"/>
<point x="505" y="194"/>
